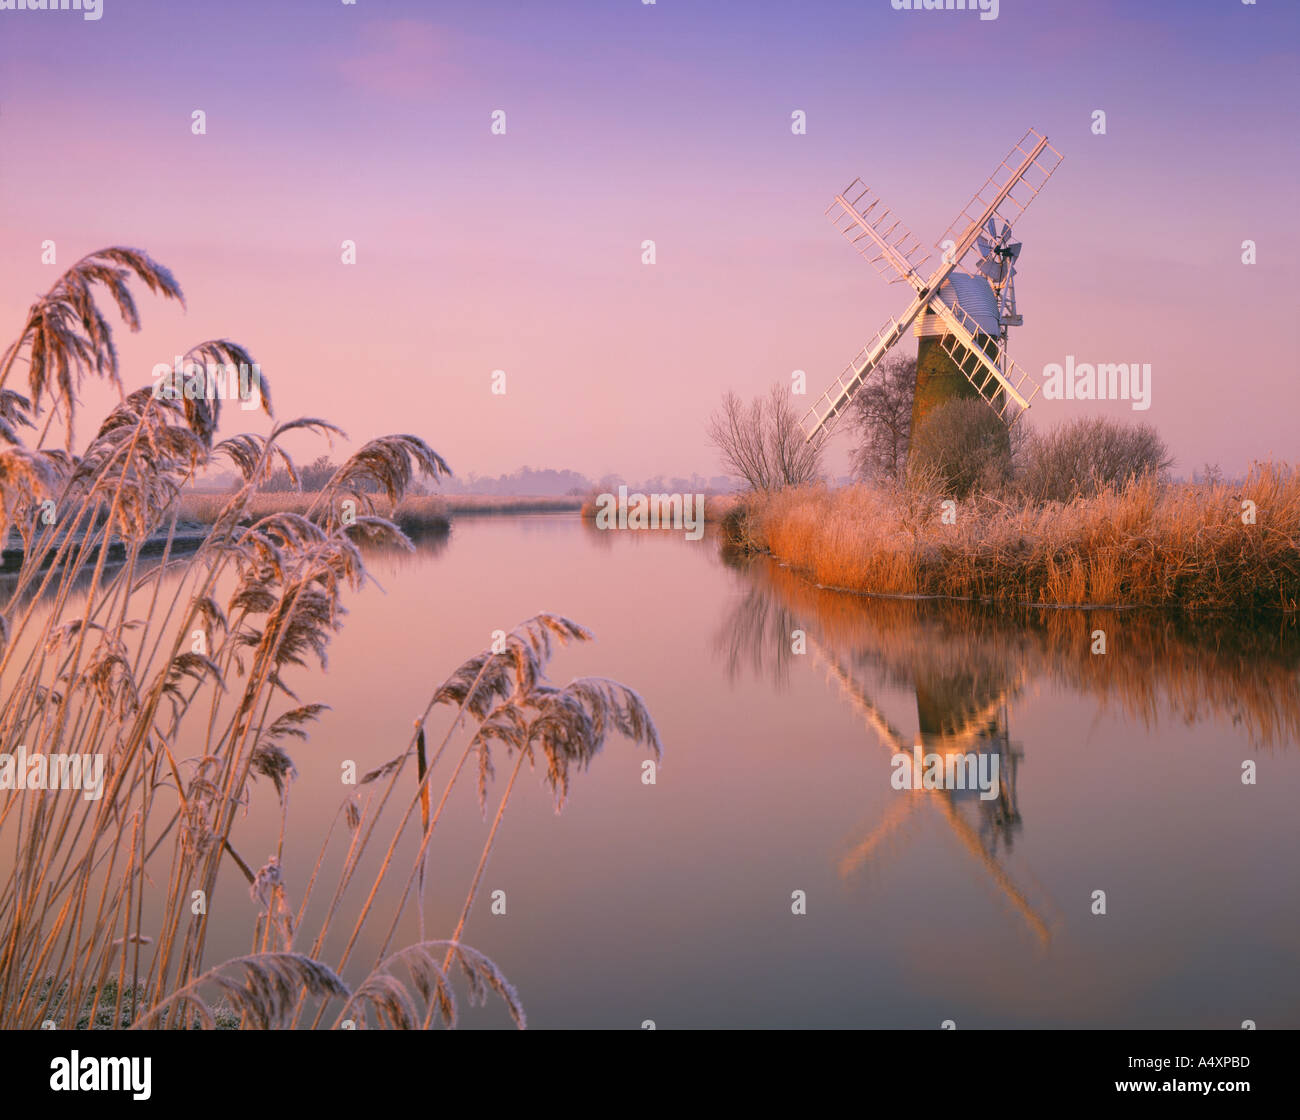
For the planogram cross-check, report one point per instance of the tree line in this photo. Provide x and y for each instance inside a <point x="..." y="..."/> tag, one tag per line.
<point x="961" y="447"/>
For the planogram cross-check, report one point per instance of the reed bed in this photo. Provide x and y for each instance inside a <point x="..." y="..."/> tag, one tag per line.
<point x="1146" y="543"/>
<point x="184" y="677"/>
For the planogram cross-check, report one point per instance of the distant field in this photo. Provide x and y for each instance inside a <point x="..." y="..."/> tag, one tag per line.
<point x="425" y="512"/>
<point x="488" y="503"/>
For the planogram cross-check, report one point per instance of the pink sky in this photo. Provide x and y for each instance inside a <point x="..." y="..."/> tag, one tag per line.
<point x="669" y="122"/>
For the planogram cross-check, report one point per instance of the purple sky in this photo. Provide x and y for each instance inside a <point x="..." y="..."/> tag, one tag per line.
<point x="670" y="122"/>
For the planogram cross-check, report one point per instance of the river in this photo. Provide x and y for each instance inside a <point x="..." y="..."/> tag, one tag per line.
<point x="772" y="875"/>
<point x="675" y="903"/>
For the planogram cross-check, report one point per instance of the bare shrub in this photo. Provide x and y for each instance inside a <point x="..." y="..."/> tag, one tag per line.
<point x="965" y="446"/>
<point x="1082" y="457"/>
<point x="762" y="441"/>
<point x="311" y="478"/>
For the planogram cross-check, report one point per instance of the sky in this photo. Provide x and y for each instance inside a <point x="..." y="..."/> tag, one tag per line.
<point x="670" y="122"/>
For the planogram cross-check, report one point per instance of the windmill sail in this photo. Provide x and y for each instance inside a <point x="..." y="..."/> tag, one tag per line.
<point x="881" y="239"/>
<point x="821" y="418"/>
<point x="1026" y="169"/>
<point x="1006" y="387"/>
<point x="960" y="738"/>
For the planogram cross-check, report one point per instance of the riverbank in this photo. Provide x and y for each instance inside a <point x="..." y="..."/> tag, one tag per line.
<point x="421" y="512"/>
<point x="1227" y="546"/>
<point x="198" y="511"/>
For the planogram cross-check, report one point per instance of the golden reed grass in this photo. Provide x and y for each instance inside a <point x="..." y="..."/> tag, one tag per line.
<point x="1146" y="543"/>
<point x="175" y="671"/>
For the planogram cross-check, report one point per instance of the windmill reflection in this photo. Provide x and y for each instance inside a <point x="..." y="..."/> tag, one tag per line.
<point x="981" y="826"/>
<point x="963" y="693"/>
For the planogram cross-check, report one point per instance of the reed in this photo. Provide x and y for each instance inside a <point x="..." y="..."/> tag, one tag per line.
<point x="1143" y="543"/>
<point x="176" y="671"/>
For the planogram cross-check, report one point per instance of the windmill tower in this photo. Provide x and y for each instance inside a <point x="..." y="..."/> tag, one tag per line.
<point x="960" y="312"/>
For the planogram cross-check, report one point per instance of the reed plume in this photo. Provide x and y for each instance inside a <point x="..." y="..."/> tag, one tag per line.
<point x="182" y="673"/>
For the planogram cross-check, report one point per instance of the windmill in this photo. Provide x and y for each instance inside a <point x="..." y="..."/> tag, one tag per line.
<point x="998" y="256"/>
<point x="961" y="314"/>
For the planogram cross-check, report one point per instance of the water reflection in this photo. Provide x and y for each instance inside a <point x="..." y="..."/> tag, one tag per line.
<point x="964" y="665"/>
<point x="14" y="587"/>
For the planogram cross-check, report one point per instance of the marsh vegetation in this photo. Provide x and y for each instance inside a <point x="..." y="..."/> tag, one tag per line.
<point x="1083" y="514"/>
<point x="186" y="675"/>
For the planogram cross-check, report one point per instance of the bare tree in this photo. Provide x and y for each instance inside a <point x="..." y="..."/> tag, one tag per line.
<point x="762" y="442"/>
<point x="881" y="416"/>
<point x="736" y="431"/>
<point x="795" y="460"/>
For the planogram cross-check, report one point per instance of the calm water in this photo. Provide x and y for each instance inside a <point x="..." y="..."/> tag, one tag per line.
<point x="673" y="902"/>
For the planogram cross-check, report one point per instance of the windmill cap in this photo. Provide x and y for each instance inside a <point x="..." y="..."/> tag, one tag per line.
<point x="977" y="300"/>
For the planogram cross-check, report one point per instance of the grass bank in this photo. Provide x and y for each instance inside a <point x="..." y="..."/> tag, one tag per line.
<point x="1192" y="546"/>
